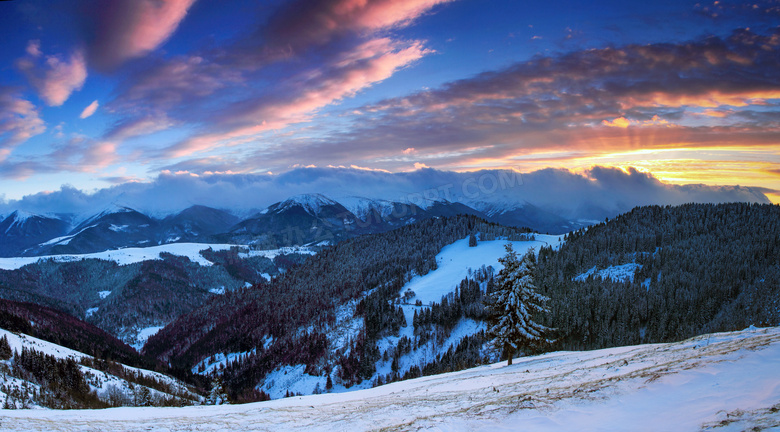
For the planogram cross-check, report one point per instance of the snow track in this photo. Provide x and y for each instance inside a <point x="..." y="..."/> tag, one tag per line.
<point x="727" y="381"/>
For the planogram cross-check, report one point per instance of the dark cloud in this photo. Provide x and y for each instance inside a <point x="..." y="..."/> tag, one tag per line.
<point x="120" y="30"/>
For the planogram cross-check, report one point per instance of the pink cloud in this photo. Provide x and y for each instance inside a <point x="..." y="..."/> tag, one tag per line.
<point x="19" y="121"/>
<point x="128" y="29"/>
<point x="306" y="22"/>
<point x="138" y="126"/>
<point x="368" y="63"/>
<point x="54" y="78"/>
<point x="89" y="110"/>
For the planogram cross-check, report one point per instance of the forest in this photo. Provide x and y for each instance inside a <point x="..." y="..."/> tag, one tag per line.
<point x="654" y="274"/>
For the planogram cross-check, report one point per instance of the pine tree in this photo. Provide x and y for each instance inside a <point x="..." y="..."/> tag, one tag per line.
<point x="5" y="349"/>
<point x="513" y="305"/>
<point x="329" y="384"/>
<point x="472" y="240"/>
<point x="217" y="395"/>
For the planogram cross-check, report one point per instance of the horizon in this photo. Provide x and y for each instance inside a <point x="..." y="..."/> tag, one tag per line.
<point x="98" y="97"/>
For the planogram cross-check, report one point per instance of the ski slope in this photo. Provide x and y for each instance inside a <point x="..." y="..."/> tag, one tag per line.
<point x="721" y="382"/>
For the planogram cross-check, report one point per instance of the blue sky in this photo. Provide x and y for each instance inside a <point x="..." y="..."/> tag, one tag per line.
<point x="97" y="93"/>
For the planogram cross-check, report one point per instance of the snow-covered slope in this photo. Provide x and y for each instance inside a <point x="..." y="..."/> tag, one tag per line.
<point x="727" y="381"/>
<point x="134" y="255"/>
<point x="99" y="381"/>
<point x="456" y="259"/>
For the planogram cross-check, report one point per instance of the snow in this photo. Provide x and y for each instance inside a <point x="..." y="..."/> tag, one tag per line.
<point x="311" y="203"/>
<point x="362" y="207"/>
<point x="456" y="259"/>
<point x="118" y="228"/>
<point x="135" y="255"/>
<point x="89" y="312"/>
<point x="65" y="239"/>
<point x="144" y="334"/>
<point x="273" y="253"/>
<point x="291" y="379"/>
<point x="97" y="380"/>
<point x="218" y="290"/>
<point x="104" y="294"/>
<point x="618" y="273"/>
<point x="91" y="217"/>
<point x="728" y="380"/>
<point x="20" y="217"/>
<point x="212" y="363"/>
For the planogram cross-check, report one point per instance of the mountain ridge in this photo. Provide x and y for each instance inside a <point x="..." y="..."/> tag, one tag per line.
<point x="298" y="220"/>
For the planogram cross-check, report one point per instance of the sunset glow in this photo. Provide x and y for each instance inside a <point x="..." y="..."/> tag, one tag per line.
<point x="97" y="96"/>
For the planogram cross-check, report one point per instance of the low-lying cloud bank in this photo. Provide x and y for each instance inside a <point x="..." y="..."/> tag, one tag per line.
<point x="595" y="193"/>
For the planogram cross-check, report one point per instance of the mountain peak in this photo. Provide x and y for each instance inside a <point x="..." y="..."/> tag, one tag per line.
<point x="311" y="203"/>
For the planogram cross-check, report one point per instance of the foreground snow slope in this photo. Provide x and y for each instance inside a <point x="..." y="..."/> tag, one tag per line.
<point x="727" y="381"/>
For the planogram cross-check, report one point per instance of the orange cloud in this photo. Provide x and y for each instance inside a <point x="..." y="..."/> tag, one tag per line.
<point x="620" y="122"/>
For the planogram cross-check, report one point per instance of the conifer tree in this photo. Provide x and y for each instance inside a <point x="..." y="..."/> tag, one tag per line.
<point x="513" y="305"/>
<point x="5" y="349"/>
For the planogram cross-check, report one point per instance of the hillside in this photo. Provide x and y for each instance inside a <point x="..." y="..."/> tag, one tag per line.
<point x="659" y="274"/>
<point x="133" y="291"/>
<point x="291" y="320"/>
<point x="65" y="330"/>
<point x="42" y="374"/>
<point x="727" y="381"/>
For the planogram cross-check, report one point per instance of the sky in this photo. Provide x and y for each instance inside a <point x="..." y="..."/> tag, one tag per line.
<point x="96" y="95"/>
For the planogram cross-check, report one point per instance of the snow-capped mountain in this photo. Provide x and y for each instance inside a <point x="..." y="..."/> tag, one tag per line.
<point x="110" y="229"/>
<point x="21" y="230"/>
<point x="298" y="220"/>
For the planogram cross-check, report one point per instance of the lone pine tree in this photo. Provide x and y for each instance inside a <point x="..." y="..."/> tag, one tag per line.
<point x="513" y="305"/>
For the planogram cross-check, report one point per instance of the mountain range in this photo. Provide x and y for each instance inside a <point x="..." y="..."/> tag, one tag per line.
<point x="298" y="220"/>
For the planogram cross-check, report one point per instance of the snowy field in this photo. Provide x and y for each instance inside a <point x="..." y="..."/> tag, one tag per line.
<point x="456" y="259"/>
<point x="135" y="255"/>
<point x="722" y="382"/>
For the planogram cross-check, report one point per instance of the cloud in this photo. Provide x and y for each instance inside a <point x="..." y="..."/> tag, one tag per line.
<point x="89" y="110"/>
<point x="592" y="194"/>
<point x="566" y="103"/>
<point x="124" y="29"/>
<point x="299" y="97"/>
<point x="138" y="126"/>
<point x="54" y="77"/>
<point x="304" y="23"/>
<point x="271" y="79"/>
<point x="78" y="154"/>
<point x="620" y="122"/>
<point x="184" y="83"/>
<point x="19" y="121"/>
